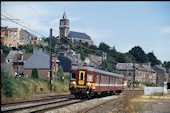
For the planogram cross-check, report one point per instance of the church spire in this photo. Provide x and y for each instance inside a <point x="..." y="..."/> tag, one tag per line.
<point x="64" y="15"/>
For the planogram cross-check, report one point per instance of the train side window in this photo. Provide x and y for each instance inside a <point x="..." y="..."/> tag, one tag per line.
<point x="89" y="77"/>
<point x="73" y="76"/>
<point x="97" y="78"/>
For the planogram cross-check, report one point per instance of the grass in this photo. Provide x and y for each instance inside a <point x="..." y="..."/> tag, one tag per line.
<point x="21" y="88"/>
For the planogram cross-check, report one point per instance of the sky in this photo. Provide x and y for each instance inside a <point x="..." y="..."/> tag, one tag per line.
<point x="122" y="25"/>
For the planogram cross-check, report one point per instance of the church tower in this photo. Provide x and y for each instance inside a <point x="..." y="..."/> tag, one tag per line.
<point x="64" y="26"/>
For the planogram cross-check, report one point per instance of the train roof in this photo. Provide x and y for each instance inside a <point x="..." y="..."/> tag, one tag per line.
<point x="97" y="70"/>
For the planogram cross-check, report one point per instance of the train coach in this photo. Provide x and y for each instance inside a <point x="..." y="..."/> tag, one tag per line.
<point x="90" y="82"/>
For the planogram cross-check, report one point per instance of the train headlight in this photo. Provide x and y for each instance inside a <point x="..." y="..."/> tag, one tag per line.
<point x="74" y="83"/>
<point x="88" y="84"/>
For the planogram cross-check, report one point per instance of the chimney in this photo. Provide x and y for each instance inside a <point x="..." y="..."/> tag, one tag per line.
<point x="149" y="64"/>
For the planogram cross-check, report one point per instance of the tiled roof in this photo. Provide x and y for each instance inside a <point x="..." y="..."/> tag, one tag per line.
<point x="74" y="34"/>
<point x="25" y="56"/>
<point x="12" y="53"/>
<point x="124" y="66"/>
<point x="38" y="60"/>
<point x="159" y="67"/>
<point x="3" y="28"/>
<point x="13" y="29"/>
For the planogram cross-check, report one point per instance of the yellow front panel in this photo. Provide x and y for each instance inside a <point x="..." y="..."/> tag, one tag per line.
<point x="81" y="77"/>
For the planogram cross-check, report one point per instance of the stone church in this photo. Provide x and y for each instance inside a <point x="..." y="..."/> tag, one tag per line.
<point x="73" y="35"/>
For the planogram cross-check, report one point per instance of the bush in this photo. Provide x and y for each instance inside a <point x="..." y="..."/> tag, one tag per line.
<point x="34" y="73"/>
<point x="7" y="84"/>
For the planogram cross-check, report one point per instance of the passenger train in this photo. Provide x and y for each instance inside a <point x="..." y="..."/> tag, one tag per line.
<point x="90" y="82"/>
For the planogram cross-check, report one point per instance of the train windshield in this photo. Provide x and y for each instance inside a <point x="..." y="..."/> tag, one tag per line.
<point x="73" y="75"/>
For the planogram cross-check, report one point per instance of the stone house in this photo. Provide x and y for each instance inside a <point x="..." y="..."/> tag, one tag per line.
<point x="162" y="74"/>
<point x="18" y="65"/>
<point x="41" y="61"/>
<point x="11" y="54"/>
<point x="8" y="68"/>
<point x="67" y="57"/>
<point x="10" y="36"/>
<point x="24" y="37"/>
<point x="139" y="72"/>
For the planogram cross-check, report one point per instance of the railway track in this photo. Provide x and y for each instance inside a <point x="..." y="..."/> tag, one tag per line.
<point x="36" y="100"/>
<point x="32" y="104"/>
<point x="117" y="102"/>
<point x="52" y="103"/>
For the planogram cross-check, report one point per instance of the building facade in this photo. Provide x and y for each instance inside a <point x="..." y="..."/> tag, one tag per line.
<point x="72" y="35"/>
<point x="162" y="74"/>
<point x="24" y="37"/>
<point x="137" y="72"/>
<point x="40" y="61"/>
<point x="10" y="36"/>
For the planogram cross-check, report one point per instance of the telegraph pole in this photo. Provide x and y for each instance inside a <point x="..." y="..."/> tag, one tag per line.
<point x="17" y="59"/>
<point x="102" y="60"/>
<point x="133" y="75"/>
<point x="50" y="62"/>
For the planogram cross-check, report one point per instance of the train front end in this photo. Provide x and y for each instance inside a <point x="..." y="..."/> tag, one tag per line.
<point x="79" y="85"/>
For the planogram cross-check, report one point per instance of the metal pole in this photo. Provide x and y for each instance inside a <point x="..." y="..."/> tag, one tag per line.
<point x="50" y="62"/>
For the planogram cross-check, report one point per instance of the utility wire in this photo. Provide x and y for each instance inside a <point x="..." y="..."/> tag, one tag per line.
<point x="38" y="14"/>
<point x="89" y="49"/>
<point x="22" y="25"/>
<point x="20" y="21"/>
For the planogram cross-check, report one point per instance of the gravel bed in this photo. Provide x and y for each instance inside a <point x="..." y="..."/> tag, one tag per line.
<point x="82" y="106"/>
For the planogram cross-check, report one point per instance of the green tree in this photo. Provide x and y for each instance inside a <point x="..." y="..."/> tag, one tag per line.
<point x="166" y="64"/>
<point x="5" y="49"/>
<point x="129" y="58"/>
<point x="7" y="84"/>
<point x="104" y="47"/>
<point x="60" y="73"/>
<point x="34" y="73"/>
<point x="152" y="59"/>
<point x="28" y="48"/>
<point x="139" y="54"/>
<point x="120" y="58"/>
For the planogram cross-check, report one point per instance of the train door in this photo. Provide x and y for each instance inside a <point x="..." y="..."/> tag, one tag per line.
<point x="81" y="77"/>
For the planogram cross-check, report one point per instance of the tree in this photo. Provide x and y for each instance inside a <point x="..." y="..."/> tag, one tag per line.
<point x="28" y="48"/>
<point x="139" y="54"/>
<point x="166" y="64"/>
<point x="120" y="58"/>
<point x="152" y="59"/>
<point x="104" y="47"/>
<point x="34" y="73"/>
<point x="60" y="73"/>
<point x="5" y="49"/>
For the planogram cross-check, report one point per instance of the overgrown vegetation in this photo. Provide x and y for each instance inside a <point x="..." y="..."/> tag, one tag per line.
<point x="5" y="49"/>
<point x="12" y="87"/>
<point x="34" y="73"/>
<point x="138" y="84"/>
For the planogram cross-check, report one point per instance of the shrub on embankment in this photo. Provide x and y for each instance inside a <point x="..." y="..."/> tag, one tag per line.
<point x="13" y="87"/>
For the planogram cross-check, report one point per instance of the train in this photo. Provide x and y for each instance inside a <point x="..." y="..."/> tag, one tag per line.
<point x="89" y="82"/>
